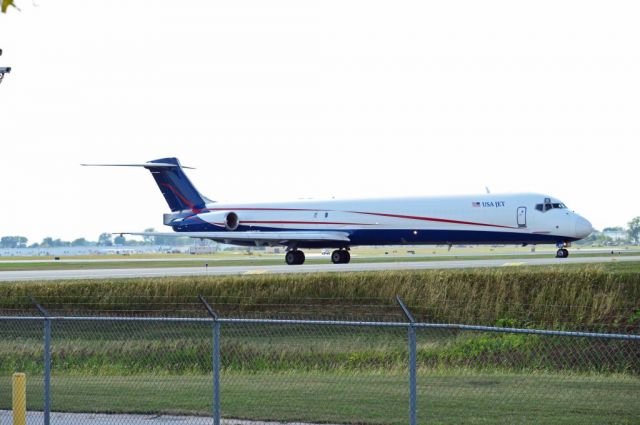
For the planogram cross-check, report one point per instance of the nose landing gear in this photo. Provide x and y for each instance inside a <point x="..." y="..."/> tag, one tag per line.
<point x="562" y="253"/>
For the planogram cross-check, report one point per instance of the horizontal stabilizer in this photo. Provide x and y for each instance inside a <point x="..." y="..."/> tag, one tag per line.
<point x="178" y="191"/>
<point x="145" y="165"/>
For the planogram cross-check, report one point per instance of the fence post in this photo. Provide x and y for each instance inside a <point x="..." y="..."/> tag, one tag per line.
<point x="215" y="360"/>
<point x="216" y="373"/>
<point x="47" y="360"/>
<point x="413" y="395"/>
<point x="47" y="371"/>
<point x="412" y="375"/>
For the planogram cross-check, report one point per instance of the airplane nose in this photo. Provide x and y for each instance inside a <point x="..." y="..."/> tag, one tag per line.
<point x="583" y="227"/>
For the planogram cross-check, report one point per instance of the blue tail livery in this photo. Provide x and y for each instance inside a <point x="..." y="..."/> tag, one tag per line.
<point x="175" y="186"/>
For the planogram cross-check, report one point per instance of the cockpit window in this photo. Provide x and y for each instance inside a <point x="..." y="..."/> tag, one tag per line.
<point x="548" y="206"/>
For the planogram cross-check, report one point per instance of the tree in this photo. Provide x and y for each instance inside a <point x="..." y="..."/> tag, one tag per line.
<point x="613" y="229"/>
<point x="47" y="242"/>
<point x="634" y="230"/>
<point x="6" y="4"/>
<point x="13" y="242"/>
<point x="105" y="239"/>
<point x="149" y="240"/>
<point x="80" y="242"/>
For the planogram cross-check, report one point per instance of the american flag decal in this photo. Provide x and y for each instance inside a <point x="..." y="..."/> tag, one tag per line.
<point x="475" y="204"/>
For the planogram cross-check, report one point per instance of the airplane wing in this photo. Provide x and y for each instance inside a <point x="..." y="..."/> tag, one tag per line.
<point x="270" y="238"/>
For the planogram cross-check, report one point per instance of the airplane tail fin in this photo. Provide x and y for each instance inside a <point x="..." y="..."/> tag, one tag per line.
<point x="174" y="184"/>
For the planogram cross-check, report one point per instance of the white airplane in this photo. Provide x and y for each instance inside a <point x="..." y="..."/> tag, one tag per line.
<point x="524" y="218"/>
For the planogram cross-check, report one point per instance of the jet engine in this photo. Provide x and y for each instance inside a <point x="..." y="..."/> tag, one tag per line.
<point x="228" y="219"/>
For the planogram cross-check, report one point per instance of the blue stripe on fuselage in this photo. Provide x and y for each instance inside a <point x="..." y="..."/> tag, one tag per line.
<point x="393" y="236"/>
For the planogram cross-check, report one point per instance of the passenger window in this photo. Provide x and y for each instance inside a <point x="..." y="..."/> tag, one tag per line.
<point x="326" y="215"/>
<point x="315" y="214"/>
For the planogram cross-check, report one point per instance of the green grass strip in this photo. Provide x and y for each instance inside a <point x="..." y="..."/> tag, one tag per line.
<point x="456" y="397"/>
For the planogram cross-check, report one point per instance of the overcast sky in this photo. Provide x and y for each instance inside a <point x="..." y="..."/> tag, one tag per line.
<point x="274" y="100"/>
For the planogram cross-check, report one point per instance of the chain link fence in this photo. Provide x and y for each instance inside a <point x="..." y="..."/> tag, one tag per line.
<point x="196" y="370"/>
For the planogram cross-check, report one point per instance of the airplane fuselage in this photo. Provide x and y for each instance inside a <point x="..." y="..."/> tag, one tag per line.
<point x="475" y="219"/>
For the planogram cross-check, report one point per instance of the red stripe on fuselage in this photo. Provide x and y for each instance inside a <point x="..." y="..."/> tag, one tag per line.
<point x="408" y="217"/>
<point x="263" y="209"/>
<point x="303" y="222"/>
<point x="438" y="220"/>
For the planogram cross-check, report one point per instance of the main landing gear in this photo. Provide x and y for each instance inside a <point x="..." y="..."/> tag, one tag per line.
<point x="294" y="257"/>
<point x="340" y="256"/>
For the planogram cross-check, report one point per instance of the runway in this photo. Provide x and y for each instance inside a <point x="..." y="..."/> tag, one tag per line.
<point x="309" y="255"/>
<point x="33" y="275"/>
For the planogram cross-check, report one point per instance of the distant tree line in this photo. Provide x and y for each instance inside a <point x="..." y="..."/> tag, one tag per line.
<point x="104" y="239"/>
<point x="13" y="242"/>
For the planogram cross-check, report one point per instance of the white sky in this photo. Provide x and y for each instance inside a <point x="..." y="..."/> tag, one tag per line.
<point x="290" y="99"/>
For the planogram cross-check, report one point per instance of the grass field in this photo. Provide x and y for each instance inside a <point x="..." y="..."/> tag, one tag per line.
<point x="340" y="374"/>
<point x="594" y="297"/>
<point x="453" y="397"/>
<point x="129" y="348"/>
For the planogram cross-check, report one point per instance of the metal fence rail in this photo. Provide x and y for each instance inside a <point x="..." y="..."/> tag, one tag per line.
<point x="316" y="371"/>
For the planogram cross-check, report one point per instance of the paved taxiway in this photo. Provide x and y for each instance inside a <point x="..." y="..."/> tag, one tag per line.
<point x="307" y="268"/>
<point x="58" y="418"/>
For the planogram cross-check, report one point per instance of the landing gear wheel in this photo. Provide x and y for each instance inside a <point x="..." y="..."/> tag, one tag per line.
<point x="346" y="257"/>
<point x="294" y="257"/>
<point x="340" y="256"/>
<point x="336" y="257"/>
<point x="290" y="257"/>
<point x="562" y="253"/>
